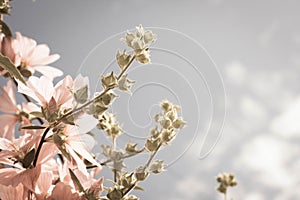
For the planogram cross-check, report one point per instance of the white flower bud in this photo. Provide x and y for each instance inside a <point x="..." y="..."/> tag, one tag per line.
<point x="157" y="166"/>
<point x="125" y="83"/>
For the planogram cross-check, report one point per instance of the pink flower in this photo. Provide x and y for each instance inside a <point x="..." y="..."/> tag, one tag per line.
<point x="42" y="90"/>
<point x="36" y="57"/>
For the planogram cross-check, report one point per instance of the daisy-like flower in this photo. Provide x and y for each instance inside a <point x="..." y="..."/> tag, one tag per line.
<point x="36" y="57"/>
<point x="43" y="91"/>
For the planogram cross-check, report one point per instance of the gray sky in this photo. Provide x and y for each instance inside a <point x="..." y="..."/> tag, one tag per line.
<point x="255" y="46"/>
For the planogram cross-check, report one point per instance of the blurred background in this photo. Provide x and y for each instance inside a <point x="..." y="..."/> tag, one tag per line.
<point x="249" y="48"/>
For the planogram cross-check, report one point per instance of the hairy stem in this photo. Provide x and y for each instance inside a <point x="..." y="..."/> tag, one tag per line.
<point x="152" y="156"/>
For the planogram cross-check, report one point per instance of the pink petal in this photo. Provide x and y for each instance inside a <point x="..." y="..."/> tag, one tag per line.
<point x="48" y="151"/>
<point x="97" y="187"/>
<point x="40" y="51"/>
<point x="80" y="82"/>
<point x="63" y="93"/>
<point x="26" y="45"/>
<point x="61" y="191"/>
<point x="24" y="89"/>
<point x="6" y="175"/>
<point x="80" y="164"/>
<point x="86" y="123"/>
<point x="6" y="144"/>
<point x="48" y="71"/>
<point x="42" y="58"/>
<point x="7" y="126"/>
<point x="81" y="144"/>
<point x="30" y="107"/>
<point x="28" y="177"/>
<point x="44" y="183"/>
<point x="10" y="192"/>
<point x="8" y="98"/>
<point x="40" y="89"/>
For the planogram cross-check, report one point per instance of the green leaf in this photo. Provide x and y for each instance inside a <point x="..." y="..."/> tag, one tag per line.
<point x="76" y="181"/>
<point x="81" y="95"/>
<point x="33" y="127"/>
<point x="5" y="63"/>
<point x="37" y="114"/>
<point x="25" y="72"/>
<point x="5" y="29"/>
<point x="138" y="188"/>
<point x="69" y="120"/>
<point x="28" y="158"/>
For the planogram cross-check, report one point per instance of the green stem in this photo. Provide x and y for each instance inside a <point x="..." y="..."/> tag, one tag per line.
<point x="114" y="148"/>
<point x="130" y="188"/>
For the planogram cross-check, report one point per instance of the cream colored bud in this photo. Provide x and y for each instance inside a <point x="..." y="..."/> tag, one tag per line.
<point x="149" y="37"/>
<point x="152" y="144"/>
<point x="142" y="56"/>
<point x="172" y="115"/>
<point x="127" y="180"/>
<point x="179" y="123"/>
<point x="114" y="131"/>
<point x="157" y="166"/>
<point x="167" y="135"/>
<point x="166" y="106"/>
<point x="131" y="148"/>
<point x="109" y="81"/>
<point x="166" y="123"/>
<point x="123" y="59"/>
<point x="155" y="133"/>
<point x="125" y="84"/>
<point x="115" y="194"/>
<point x="141" y="174"/>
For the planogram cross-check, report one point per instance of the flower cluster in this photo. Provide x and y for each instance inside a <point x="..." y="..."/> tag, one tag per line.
<point x="225" y="180"/>
<point x="46" y="141"/>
